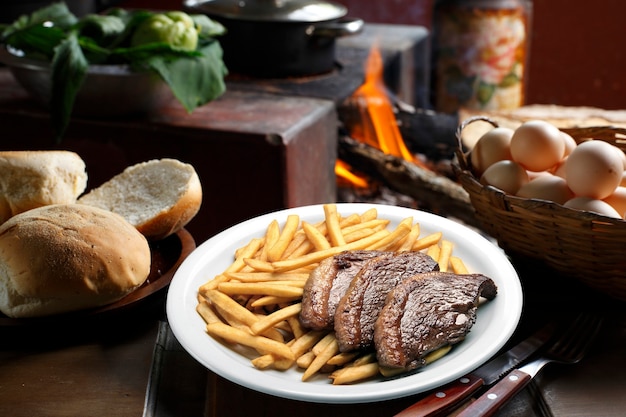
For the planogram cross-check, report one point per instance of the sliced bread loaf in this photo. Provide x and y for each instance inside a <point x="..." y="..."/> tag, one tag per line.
<point x="158" y="197"/>
<point x="31" y="179"/>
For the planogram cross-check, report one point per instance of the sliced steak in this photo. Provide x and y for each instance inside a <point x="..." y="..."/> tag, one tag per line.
<point x="358" y="309"/>
<point x="426" y="312"/>
<point x="327" y="284"/>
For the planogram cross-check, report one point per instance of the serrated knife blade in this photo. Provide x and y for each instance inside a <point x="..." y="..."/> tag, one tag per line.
<point x="452" y="394"/>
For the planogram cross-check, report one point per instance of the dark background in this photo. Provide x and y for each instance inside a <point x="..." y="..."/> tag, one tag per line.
<point x="578" y="48"/>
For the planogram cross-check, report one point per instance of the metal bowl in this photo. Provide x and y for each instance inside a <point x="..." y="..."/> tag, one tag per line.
<point x="107" y="91"/>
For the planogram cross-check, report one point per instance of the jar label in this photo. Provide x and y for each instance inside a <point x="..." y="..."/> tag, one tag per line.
<point x="480" y="59"/>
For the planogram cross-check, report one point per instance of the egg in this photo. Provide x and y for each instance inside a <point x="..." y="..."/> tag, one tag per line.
<point x="506" y="175"/>
<point x="617" y="200"/>
<point x="621" y="154"/>
<point x="594" y="169"/>
<point x="570" y="143"/>
<point x="593" y="205"/>
<point x="493" y="146"/>
<point x="532" y="174"/>
<point x="537" y="145"/>
<point x="546" y="187"/>
<point x="559" y="169"/>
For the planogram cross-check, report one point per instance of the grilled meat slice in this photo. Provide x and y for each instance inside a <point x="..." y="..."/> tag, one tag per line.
<point x="327" y="284"/>
<point x="426" y="312"/>
<point x="358" y="309"/>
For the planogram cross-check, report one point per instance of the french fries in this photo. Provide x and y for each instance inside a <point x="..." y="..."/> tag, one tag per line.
<point x="256" y="301"/>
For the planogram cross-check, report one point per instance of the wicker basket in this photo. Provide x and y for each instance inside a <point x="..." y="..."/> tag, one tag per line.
<point x="581" y="245"/>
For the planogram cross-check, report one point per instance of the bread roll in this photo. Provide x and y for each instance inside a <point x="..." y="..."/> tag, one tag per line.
<point x="61" y="258"/>
<point x="158" y="197"/>
<point x="30" y="179"/>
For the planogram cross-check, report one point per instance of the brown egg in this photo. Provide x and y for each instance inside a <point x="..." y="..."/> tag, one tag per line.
<point x="594" y="169"/>
<point x="559" y="169"/>
<point x="593" y="205"/>
<point x="532" y="174"/>
<point x="617" y="200"/>
<point x="570" y="143"/>
<point x="547" y="187"/>
<point x="493" y="146"/>
<point x="622" y="155"/>
<point x="507" y="176"/>
<point x="537" y="145"/>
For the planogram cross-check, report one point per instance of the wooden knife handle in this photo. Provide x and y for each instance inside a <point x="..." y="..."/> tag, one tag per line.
<point x="488" y="403"/>
<point x="444" y="398"/>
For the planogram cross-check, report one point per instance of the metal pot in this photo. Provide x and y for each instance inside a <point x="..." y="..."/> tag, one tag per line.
<point x="278" y="38"/>
<point x="107" y="91"/>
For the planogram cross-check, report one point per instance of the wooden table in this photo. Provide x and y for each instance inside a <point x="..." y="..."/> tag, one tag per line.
<point x="131" y="365"/>
<point x="95" y="368"/>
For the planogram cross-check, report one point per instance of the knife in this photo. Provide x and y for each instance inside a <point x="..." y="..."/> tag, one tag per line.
<point x="569" y="347"/>
<point x="448" y="396"/>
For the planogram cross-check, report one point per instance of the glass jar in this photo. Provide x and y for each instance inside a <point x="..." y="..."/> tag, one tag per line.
<point x="480" y="53"/>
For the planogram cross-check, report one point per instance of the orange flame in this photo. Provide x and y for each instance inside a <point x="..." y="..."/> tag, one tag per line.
<point x="342" y="170"/>
<point x="379" y="127"/>
<point x="383" y="132"/>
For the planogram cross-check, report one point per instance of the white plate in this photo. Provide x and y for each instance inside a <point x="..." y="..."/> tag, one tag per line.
<point x="496" y="320"/>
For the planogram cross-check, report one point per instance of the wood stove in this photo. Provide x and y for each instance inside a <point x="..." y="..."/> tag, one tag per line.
<point x="265" y="145"/>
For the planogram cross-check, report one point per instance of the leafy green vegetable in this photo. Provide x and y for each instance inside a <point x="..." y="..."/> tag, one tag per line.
<point x="190" y="80"/>
<point x="40" y="32"/>
<point x="69" y="68"/>
<point x="101" y="28"/>
<point x="56" y="12"/>
<point x="182" y="49"/>
<point x="174" y="28"/>
<point x="208" y="28"/>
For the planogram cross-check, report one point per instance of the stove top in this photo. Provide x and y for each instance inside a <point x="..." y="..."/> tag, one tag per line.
<point x="405" y="53"/>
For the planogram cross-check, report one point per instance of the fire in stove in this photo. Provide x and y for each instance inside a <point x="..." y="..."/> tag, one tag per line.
<point x="375" y="164"/>
<point x="373" y="121"/>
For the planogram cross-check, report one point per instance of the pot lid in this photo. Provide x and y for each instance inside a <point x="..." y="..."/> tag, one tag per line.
<point x="269" y="10"/>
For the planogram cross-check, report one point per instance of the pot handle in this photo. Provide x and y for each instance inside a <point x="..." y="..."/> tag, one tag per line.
<point x="336" y="29"/>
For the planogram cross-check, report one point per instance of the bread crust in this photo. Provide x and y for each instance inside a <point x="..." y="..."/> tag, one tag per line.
<point x="66" y="257"/>
<point x="174" y="218"/>
<point x="30" y="179"/>
<point x="158" y="197"/>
